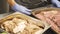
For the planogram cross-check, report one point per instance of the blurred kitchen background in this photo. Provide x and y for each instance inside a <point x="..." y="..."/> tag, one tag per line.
<point x="31" y="4"/>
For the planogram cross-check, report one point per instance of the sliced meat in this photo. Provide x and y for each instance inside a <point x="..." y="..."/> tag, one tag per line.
<point x="21" y="26"/>
<point x="47" y="16"/>
<point x="41" y="17"/>
<point x="54" y="26"/>
<point x="57" y="19"/>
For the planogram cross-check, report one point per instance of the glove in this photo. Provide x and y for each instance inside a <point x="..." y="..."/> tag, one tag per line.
<point x="56" y="3"/>
<point x="21" y="9"/>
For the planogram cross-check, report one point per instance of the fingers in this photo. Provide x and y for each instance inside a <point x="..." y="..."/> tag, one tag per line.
<point x="56" y="2"/>
<point x="28" y="10"/>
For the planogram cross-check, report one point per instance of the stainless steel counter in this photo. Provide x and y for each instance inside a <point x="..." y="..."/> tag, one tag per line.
<point x="5" y="14"/>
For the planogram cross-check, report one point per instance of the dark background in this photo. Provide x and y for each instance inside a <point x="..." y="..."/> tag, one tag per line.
<point x="4" y="7"/>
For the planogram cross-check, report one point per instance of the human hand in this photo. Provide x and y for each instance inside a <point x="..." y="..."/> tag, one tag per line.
<point x="21" y="9"/>
<point x="56" y="2"/>
<point x="18" y="7"/>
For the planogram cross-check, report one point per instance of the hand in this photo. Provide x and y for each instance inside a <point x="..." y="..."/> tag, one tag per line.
<point x="21" y="9"/>
<point x="56" y="2"/>
<point x="18" y="7"/>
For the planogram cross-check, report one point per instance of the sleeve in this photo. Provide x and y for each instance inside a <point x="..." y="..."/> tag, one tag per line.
<point x="21" y="9"/>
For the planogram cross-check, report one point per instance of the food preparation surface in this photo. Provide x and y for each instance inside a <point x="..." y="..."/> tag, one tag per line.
<point x="20" y="15"/>
<point x="5" y="14"/>
<point x="49" y="31"/>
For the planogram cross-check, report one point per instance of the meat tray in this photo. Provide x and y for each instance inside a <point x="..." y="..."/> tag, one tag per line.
<point x="38" y="10"/>
<point x="25" y="17"/>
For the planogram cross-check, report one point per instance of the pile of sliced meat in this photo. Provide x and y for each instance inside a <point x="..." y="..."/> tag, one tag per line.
<point x="21" y="26"/>
<point x="52" y="17"/>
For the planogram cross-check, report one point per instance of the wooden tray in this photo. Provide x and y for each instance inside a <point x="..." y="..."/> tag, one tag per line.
<point x="30" y="19"/>
<point x="36" y="11"/>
